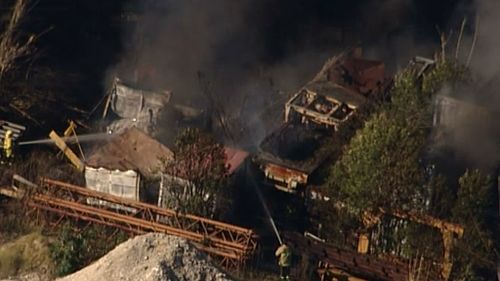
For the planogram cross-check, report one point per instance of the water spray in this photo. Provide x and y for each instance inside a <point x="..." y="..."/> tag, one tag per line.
<point x="72" y="139"/>
<point x="264" y="205"/>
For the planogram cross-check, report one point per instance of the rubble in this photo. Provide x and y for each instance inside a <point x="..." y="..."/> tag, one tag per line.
<point x="292" y="153"/>
<point x="151" y="257"/>
<point x="135" y="108"/>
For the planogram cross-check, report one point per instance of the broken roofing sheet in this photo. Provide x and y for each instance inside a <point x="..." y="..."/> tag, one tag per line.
<point x="342" y="86"/>
<point x="136" y="108"/>
<point x="292" y="153"/>
<point x="349" y="70"/>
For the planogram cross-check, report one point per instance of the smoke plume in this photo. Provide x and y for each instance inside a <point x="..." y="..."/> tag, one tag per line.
<point x="252" y="54"/>
<point x="474" y="134"/>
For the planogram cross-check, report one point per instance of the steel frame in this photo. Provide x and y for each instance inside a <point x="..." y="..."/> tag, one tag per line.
<point x="231" y="245"/>
<point x="333" y="259"/>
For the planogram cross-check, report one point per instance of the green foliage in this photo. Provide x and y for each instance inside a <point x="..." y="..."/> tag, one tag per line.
<point x="473" y="197"/>
<point x="67" y="251"/>
<point x="475" y="254"/>
<point x="338" y="225"/>
<point x="73" y="249"/>
<point x="441" y="197"/>
<point x="450" y="72"/>
<point x="380" y="168"/>
<point x="405" y="94"/>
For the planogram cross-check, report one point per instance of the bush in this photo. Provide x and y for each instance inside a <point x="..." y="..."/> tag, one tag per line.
<point x="73" y="250"/>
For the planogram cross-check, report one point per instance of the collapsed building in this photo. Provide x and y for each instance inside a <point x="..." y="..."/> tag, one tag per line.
<point x="290" y="155"/>
<point x="131" y="166"/>
<point x="130" y="106"/>
<point x="135" y="108"/>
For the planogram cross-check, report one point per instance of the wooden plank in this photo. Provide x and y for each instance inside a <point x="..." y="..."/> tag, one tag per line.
<point x="11" y="193"/>
<point x="67" y="151"/>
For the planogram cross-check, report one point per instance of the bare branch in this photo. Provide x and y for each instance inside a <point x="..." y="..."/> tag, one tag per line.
<point x="10" y="47"/>
<point x="476" y="30"/>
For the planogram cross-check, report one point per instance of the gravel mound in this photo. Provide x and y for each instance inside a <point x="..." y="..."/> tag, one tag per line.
<point x="151" y="257"/>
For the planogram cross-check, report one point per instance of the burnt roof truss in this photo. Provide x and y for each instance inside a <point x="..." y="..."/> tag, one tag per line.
<point x="320" y="109"/>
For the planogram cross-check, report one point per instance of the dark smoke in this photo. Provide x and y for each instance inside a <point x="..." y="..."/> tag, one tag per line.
<point x="256" y="53"/>
<point x="475" y="136"/>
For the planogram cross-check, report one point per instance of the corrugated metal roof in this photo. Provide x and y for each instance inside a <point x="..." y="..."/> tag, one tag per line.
<point x="131" y="150"/>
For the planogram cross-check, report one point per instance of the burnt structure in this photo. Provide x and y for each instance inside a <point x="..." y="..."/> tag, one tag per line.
<point x="333" y="263"/>
<point x="291" y="154"/>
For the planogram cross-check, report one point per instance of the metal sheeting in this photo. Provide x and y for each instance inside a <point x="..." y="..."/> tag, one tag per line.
<point x="17" y="130"/>
<point x="136" y="107"/>
<point x="124" y="184"/>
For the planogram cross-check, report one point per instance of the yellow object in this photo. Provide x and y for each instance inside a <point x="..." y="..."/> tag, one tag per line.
<point x="447" y="229"/>
<point x="363" y="243"/>
<point x="67" y="151"/>
<point x="285" y="255"/>
<point x="7" y="144"/>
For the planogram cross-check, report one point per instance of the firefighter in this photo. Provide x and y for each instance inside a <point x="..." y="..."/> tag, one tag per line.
<point x="284" y="255"/>
<point x="7" y="146"/>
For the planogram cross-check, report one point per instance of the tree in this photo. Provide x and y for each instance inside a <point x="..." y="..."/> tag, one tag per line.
<point x="381" y="165"/>
<point x="384" y="166"/>
<point x="11" y="47"/>
<point x="197" y="178"/>
<point x="475" y="255"/>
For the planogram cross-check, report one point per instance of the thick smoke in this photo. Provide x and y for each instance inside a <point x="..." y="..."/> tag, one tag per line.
<point x="194" y="47"/>
<point x="474" y="134"/>
<point x="252" y="54"/>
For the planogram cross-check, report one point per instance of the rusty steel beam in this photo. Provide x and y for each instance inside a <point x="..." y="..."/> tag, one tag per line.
<point x="356" y="264"/>
<point x="126" y="223"/>
<point x="132" y="203"/>
<point x="232" y="245"/>
<point x="225" y="234"/>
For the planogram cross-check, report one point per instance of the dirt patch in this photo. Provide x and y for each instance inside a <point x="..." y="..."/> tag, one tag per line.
<point x="26" y="254"/>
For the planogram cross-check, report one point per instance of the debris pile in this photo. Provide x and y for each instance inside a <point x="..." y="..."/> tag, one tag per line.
<point x="151" y="257"/>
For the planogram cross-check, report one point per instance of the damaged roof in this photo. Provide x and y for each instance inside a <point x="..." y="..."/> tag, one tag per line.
<point x="136" y="107"/>
<point x="131" y="150"/>
<point x="361" y="76"/>
<point x="296" y="147"/>
<point x="338" y="92"/>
